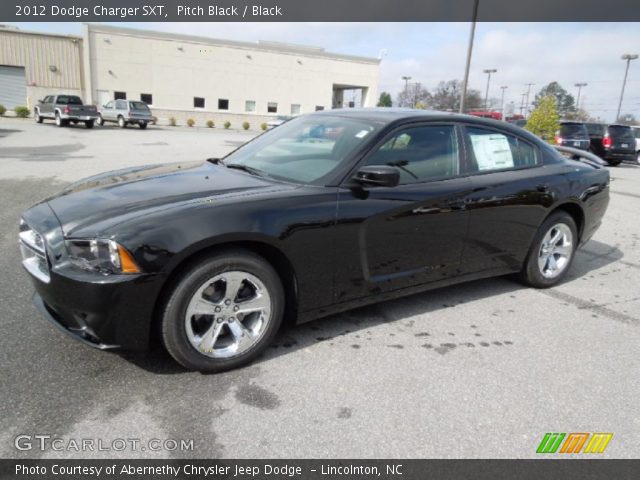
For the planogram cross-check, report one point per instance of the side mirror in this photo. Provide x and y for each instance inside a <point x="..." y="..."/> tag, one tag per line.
<point x="41" y="101"/>
<point x="377" y="176"/>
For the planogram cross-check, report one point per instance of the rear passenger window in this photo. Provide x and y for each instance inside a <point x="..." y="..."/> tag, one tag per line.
<point x="493" y="151"/>
<point x="420" y="154"/>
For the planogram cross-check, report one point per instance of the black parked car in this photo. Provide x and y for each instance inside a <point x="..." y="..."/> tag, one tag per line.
<point x="613" y="143"/>
<point x="573" y="134"/>
<point x="327" y="212"/>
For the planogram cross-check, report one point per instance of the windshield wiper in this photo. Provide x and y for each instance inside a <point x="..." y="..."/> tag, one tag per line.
<point x="246" y="168"/>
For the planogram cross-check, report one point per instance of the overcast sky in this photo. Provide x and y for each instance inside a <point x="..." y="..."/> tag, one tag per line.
<point x="429" y="52"/>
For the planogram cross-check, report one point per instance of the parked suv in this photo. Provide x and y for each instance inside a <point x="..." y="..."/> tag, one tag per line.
<point x="125" y="112"/>
<point x="573" y="134"/>
<point x="613" y="143"/>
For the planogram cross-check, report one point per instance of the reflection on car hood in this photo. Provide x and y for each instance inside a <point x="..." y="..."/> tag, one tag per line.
<point x="135" y="190"/>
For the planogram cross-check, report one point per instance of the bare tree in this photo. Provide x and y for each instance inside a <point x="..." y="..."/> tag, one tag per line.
<point x="446" y="97"/>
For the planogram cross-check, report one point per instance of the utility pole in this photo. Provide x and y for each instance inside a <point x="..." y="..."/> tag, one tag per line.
<point x="526" y="110"/>
<point x="406" y="86"/>
<point x="628" y="57"/>
<point x="465" y="80"/>
<point x="415" y="93"/>
<point x="488" y="71"/>
<point x="579" y="85"/>
<point x="522" y="102"/>
<point x="503" y="88"/>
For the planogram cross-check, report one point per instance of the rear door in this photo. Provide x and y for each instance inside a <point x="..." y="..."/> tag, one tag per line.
<point x="414" y="233"/>
<point x="510" y="197"/>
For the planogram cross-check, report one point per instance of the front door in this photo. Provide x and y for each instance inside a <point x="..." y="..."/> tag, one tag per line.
<point x="414" y="233"/>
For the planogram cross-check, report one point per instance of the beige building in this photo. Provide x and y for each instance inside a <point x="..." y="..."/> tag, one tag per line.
<point x="185" y="76"/>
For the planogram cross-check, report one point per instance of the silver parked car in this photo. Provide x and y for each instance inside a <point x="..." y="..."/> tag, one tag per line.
<point x="125" y="112"/>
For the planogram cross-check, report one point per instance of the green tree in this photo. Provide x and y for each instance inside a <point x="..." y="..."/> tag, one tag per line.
<point x="566" y="104"/>
<point x="544" y="120"/>
<point x="385" y="100"/>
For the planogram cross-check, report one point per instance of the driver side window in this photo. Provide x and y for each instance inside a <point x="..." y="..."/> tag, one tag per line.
<point x="420" y="153"/>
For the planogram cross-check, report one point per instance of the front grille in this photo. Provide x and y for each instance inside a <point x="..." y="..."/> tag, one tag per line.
<point x="33" y="250"/>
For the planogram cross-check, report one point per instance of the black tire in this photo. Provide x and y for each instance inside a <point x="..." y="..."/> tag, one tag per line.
<point x="100" y="121"/>
<point x="614" y="163"/>
<point x="531" y="273"/>
<point x="88" y="124"/>
<point x="122" y="123"/>
<point x="37" y="117"/>
<point x="174" y="311"/>
<point x="142" y="125"/>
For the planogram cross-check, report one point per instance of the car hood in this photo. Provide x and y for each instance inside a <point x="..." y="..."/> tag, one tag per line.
<point x="96" y="202"/>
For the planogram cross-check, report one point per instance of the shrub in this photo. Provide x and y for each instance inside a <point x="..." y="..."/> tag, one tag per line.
<point x="3" y="110"/>
<point x="227" y="124"/>
<point x="544" y="120"/>
<point x="245" y="125"/>
<point x="172" y="121"/>
<point x="191" y="122"/>
<point x="22" y="112"/>
<point x="263" y="126"/>
<point x="210" y="123"/>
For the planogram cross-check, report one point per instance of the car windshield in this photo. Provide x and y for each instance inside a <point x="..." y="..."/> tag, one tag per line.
<point x="138" y="106"/>
<point x="68" y="100"/>
<point x="303" y="150"/>
<point x="573" y="130"/>
<point x="621" y="133"/>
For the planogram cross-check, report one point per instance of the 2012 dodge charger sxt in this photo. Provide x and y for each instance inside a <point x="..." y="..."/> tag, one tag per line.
<point x="327" y="212"/>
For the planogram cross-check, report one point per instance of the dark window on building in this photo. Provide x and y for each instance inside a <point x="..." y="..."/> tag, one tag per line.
<point x="223" y="104"/>
<point x="120" y="95"/>
<point x="198" y="102"/>
<point x="146" y="98"/>
<point x="272" y="107"/>
<point x="319" y="108"/>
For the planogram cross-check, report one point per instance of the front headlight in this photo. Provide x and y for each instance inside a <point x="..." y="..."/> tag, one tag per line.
<point x="103" y="256"/>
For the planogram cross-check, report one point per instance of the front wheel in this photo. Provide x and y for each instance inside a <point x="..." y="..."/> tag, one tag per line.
<point x="223" y="312"/>
<point x="121" y="122"/>
<point x="37" y="117"/>
<point x="551" y="252"/>
<point x="100" y="121"/>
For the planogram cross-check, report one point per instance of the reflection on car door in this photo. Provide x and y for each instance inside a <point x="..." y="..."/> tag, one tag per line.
<point x="511" y="193"/>
<point x="413" y="233"/>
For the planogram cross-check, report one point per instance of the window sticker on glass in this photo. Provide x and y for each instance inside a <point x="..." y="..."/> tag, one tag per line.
<point x="492" y="151"/>
<point x="362" y="133"/>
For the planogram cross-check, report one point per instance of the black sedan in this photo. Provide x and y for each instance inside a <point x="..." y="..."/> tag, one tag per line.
<point x="327" y="212"/>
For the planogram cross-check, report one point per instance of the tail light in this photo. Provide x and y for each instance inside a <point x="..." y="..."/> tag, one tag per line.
<point x="606" y="141"/>
<point x="558" y="140"/>
<point x="66" y="109"/>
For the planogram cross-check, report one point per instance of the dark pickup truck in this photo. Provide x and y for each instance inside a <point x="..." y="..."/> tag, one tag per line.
<point x="64" y="109"/>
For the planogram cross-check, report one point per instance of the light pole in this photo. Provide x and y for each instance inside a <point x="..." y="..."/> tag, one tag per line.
<point x="465" y="80"/>
<point x="406" y="86"/>
<point x="488" y="71"/>
<point x="526" y="107"/>
<point x="503" y="88"/>
<point x="628" y="57"/>
<point x="579" y="85"/>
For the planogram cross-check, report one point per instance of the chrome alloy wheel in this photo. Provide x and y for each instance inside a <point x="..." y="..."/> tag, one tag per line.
<point x="228" y="314"/>
<point x="555" y="251"/>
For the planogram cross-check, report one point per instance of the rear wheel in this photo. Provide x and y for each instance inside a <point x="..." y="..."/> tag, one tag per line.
<point x="614" y="162"/>
<point x="551" y="252"/>
<point x="223" y="312"/>
<point x="121" y="122"/>
<point x="638" y="157"/>
<point x="142" y="125"/>
<point x="59" y="121"/>
<point x="88" y="124"/>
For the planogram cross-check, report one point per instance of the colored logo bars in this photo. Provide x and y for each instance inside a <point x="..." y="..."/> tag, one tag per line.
<point x="574" y="442"/>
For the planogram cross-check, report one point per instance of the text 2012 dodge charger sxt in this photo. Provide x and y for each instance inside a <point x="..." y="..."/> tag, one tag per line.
<point x="327" y="212"/>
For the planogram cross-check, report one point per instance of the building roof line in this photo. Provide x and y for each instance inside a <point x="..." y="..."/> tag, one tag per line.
<point x="265" y="46"/>
<point x="12" y="29"/>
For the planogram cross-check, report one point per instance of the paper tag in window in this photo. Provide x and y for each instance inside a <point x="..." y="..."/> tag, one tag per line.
<point x="362" y="133"/>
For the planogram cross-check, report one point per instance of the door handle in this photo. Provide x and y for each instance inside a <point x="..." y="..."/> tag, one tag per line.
<point x="543" y="188"/>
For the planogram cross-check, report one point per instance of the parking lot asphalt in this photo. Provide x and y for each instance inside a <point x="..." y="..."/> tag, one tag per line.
<point x="479" y="370"/>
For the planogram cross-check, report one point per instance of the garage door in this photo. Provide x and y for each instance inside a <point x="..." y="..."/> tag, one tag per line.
<point x="13" y="86"/>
